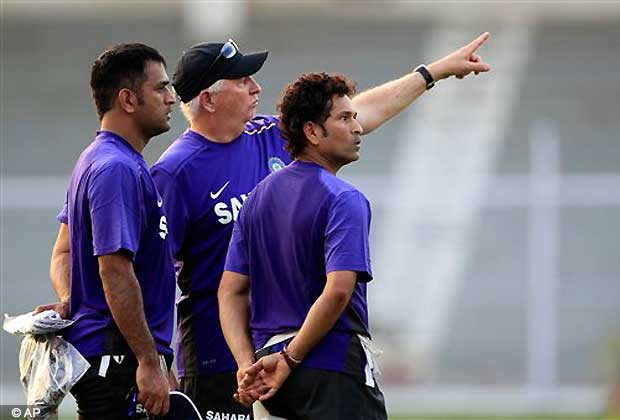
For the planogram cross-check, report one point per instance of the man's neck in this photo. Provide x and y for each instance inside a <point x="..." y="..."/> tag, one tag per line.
<point x="218" y="130"/>
<point x="129" y="132"/>
<point x="310" y="155"/>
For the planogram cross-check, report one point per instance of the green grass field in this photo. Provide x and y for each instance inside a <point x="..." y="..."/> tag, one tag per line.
<point x="495" y="417"/>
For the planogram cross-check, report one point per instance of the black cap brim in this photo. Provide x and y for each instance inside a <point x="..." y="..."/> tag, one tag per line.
<point x="247" y="65"/>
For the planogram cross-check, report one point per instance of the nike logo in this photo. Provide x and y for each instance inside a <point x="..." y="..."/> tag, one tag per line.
<point x="217" y="194"/>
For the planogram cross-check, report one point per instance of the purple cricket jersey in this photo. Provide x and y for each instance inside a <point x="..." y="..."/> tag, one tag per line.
<point x="204" y="184"/>
<point x="112" y="204"/>
<point x="298" y="225"/>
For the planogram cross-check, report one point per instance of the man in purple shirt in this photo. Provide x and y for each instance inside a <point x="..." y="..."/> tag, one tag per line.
<point x="205" y="177"/>
<point x="305" y="265"/>
<point x="111" y="266"/>
<point x="294" y="285"/>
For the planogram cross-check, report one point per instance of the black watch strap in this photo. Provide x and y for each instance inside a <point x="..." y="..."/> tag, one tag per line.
<point x="426" y="74"/>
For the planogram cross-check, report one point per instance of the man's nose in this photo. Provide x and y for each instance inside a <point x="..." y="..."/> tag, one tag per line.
<point x="357" y="128"/>
<point x="254" y="86"/>
<point x="172" y="95"/>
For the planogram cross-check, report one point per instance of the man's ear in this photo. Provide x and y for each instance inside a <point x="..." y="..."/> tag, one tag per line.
<point x="207" y="100"/>
<point x="311" y="132"/>
<point x="127" y="100"/>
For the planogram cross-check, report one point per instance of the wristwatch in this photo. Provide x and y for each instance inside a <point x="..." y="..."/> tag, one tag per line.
<point x="426" y="74"/>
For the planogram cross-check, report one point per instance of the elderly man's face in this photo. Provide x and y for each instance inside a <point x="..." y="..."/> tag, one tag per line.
<point x="237" y="99"/>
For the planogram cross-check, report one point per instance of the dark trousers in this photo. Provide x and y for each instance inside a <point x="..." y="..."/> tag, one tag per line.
<point x="213" y="396"/>
<point x="313" y="394"/>
<point x="108" y="396"/>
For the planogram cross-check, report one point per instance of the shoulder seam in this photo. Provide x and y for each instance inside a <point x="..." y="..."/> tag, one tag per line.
<point x="349" y="187"/>
<point x="181" y="164"/>
<point x="109" y="165"/>
<point x="336" y="196"/>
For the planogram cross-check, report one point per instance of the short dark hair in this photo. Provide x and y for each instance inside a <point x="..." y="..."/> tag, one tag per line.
<point x="309" y="99"/>
<point x="120" y="66"/>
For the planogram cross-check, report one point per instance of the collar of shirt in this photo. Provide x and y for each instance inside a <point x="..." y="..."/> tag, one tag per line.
<point x="103" y="135"/>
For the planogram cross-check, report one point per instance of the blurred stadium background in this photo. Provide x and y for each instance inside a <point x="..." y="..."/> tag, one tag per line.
<point x="496" y="200"/>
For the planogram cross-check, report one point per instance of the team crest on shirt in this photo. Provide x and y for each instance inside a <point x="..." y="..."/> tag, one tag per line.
<point x="275" y="164"/>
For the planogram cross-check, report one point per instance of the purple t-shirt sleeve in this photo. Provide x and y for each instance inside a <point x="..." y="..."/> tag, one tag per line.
<point x="174" y="207"/>
<point x="346" y="235"/>
<point x="115" y="201"/>
<point x="237" y="256"/>
<point x="63" y="216"/>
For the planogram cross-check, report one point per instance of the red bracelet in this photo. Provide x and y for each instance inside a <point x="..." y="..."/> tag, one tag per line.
<point x="290" y="360"/>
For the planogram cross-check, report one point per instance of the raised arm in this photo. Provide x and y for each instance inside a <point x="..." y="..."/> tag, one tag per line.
<point x="124" y="297"/>
<point x="377" y="105"/>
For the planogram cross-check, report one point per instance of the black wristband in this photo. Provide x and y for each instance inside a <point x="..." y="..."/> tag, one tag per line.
<point x="426" y="74"/>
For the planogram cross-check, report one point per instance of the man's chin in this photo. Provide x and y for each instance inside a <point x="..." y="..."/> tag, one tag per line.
<point x="160" y="130"/>
<point x="351" y="158"/>
<point x="252" y="113"/>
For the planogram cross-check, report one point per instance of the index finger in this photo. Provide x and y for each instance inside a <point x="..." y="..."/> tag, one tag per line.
<point x="248" y="380"/>
<point x="477" y="43"/>
<point x="156" y="408"/>
<point x="41" y="308"/>
<point x="147" y="402"/>
<point x="165" y="407"/>
<point x="268" y="395"/>
<point x="244" y="399"/>
<point x="255" y="368"/>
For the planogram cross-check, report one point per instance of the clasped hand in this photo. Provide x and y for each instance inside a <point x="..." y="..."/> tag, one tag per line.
<point x="261" y="380"/>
